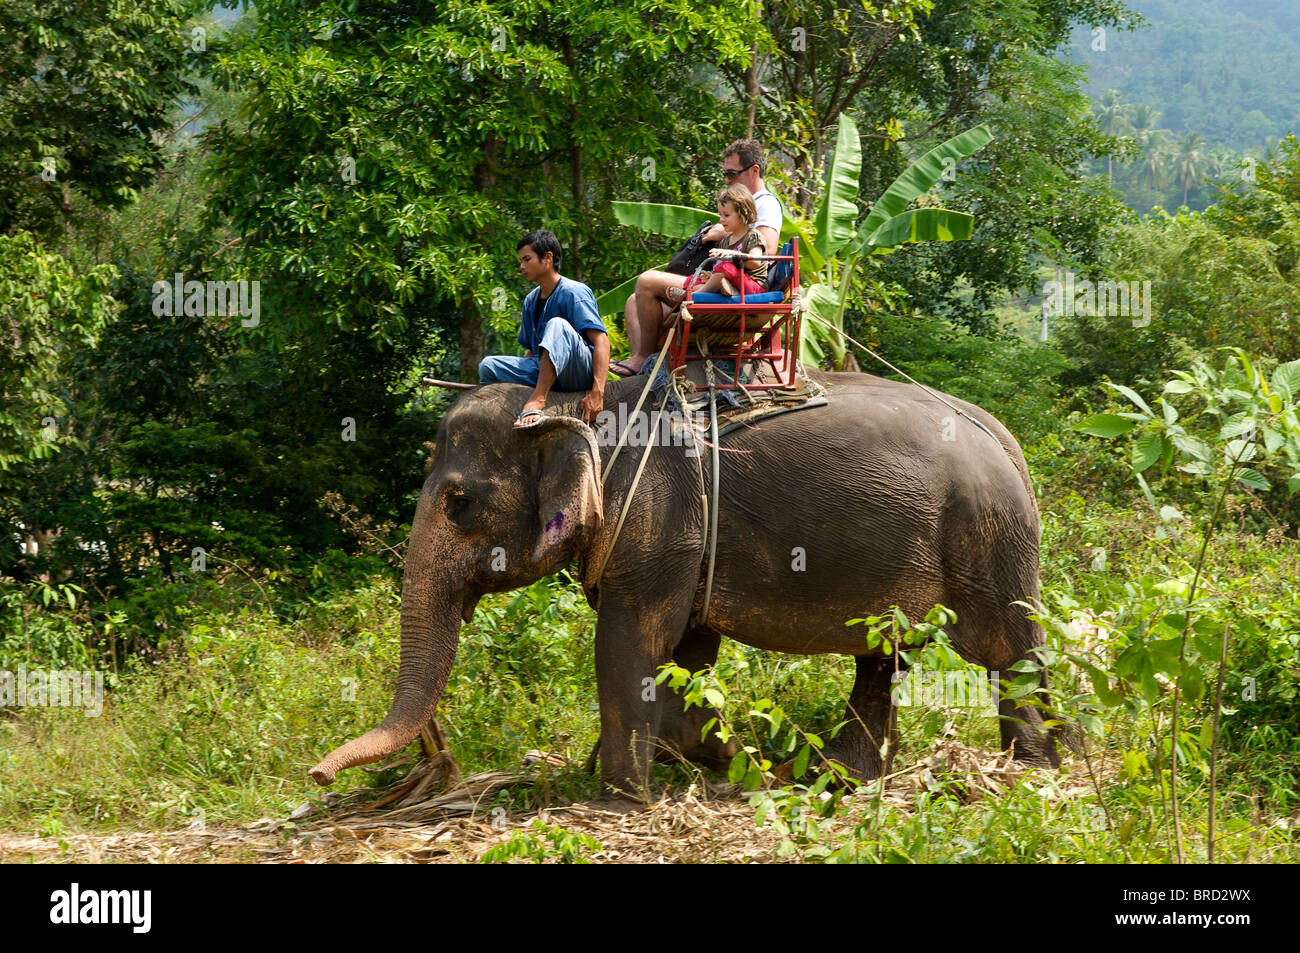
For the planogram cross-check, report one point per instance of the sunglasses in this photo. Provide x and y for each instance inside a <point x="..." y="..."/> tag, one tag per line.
<point x="730" y="174"/>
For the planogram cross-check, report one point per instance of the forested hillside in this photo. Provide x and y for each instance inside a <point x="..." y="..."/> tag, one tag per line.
<point x="1193" y="87"/>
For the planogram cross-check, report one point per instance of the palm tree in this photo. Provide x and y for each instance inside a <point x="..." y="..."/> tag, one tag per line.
<point x="1112" y="118"/>
<point x="1189" y="161"/>
<point x="1142" y="123"/>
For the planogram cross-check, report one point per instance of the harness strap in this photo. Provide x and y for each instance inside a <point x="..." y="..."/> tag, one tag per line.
<point x="711" y="512"/>
<point x="645" y="391"/>
<point x="627" y="503"/>
<point x="609" y="467"/>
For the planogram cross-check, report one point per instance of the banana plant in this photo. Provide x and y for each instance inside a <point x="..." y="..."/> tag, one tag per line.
<point x="888" y="225"/>
<point x="830" y="251"/>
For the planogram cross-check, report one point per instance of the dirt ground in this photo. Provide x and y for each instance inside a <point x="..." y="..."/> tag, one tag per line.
<point x="706" y="823"/>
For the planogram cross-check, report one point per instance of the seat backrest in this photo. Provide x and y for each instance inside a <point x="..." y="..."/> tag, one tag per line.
<point x="779" y="275"/>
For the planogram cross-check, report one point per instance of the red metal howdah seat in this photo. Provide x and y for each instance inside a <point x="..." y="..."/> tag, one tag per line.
<point x="744" y="330"/>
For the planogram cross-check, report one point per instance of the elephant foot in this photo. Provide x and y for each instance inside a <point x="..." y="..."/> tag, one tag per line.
<point x="715" y="756"/>
<point x="848" y="775"/>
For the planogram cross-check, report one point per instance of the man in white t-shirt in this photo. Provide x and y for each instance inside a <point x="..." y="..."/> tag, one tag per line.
<point x="658" y="292"/>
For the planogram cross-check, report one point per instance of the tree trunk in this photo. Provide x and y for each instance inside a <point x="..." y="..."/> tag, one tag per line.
<point x="472" y="339"/>
<point x="573" y="260"/>
<point x="751" y="93"/>
<point x="751" y="78"/>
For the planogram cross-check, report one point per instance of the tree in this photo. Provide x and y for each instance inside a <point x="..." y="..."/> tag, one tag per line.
<point x="393" y="161"/>
<point x="47" y="308"/>
<point x="1113" y="119"/>
<point x="1225" y="277"/>
<point x="1151" y="140"/>
<point x="85" y="86"/>
<point x="1188" y="161"/>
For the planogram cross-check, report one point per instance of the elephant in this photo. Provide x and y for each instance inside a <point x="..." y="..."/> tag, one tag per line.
<point x="883" y="496"/>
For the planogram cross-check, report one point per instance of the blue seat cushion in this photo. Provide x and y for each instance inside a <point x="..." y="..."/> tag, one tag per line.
<point x="767" y="297"/>
<point x="779" y="275"/>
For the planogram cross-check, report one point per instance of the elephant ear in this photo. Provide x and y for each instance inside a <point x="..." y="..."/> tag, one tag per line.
<point x="569" y="499"/>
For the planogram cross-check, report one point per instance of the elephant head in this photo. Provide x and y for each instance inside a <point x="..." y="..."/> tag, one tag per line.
<point x="500" y="508"/>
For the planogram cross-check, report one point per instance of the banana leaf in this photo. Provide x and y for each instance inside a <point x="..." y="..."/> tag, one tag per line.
<point x="839" y="208"/>
<point x="810" y="262"/>
<point x="917" y="178"/>
<point x="675" y="221"/>
<point x="923" y="225"/>
<point x="824" y="301"/>
<point x="613" y="300"/>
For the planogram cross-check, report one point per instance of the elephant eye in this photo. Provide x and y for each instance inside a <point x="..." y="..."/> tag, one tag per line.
<point x="458" y="504"/>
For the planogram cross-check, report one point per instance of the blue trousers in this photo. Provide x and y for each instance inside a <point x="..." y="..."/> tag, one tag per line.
<point x="569" y="352"/>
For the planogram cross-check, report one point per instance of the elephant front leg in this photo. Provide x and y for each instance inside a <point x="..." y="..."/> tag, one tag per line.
<point x="631" y="710"/>
<point x="635" y="636"/>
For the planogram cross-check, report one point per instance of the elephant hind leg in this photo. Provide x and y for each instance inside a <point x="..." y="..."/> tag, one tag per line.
<point x="681" y="729"/>
<point x="869" y="720"/>
<point x="997" y="637"/>
<point x="1023" y="728"/>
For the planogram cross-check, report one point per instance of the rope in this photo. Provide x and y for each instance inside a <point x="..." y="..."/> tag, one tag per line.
<point x="636" y="479"/>
<point x="627" y="502"/>
<point x="936" y="396"/>
<point x="713" y="512"/>
<point x="635" y="410"/>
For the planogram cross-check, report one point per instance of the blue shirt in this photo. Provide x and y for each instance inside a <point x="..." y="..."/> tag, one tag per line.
<point x="571" y="300"/>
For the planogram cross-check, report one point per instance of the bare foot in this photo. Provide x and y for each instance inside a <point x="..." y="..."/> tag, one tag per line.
<point x="531" y="415"/>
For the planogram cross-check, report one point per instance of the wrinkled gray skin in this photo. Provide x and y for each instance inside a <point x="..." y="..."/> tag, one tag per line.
<point x="885" y="509"/>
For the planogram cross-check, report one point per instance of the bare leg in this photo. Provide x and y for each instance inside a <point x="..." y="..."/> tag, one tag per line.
<point x="632" y="323"/>
<point x="713" y="285"/>
<point x="644" y="313"/>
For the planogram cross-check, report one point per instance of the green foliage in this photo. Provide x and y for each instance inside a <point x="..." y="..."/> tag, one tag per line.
<point x="882" y="230"/>
<point x="1223" y="278"/>
<point x="51" y="309"/>
<point x="1195" y="63"/>
<point x="83" y="90"/>
<point x="1030" y="187"/>
<point x="1005" y="375"/>
<point x="478" y="122"/>
<point x="541" y="843"/>
<point x="1243" y="404"/>
<point x="917" y="179"/>
<point x="222" y="726"/>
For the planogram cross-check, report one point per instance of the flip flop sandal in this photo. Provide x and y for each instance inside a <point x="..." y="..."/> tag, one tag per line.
<point x="527" y="414"/>
<point x="622" y="369"/>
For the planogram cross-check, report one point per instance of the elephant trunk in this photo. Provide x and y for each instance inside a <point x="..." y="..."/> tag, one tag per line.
<point x="430" y="632"/>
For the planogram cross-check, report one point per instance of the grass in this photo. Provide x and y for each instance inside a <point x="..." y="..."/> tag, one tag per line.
<point x="222" y="724"/>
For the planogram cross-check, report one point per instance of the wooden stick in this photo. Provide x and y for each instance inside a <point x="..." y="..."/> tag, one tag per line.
<point x="450" y="385"/>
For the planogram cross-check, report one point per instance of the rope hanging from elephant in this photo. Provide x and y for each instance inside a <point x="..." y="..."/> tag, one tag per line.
<point x="645" y="456"/>
<point x="710" y="517"/>
<point x="938" y="397"/>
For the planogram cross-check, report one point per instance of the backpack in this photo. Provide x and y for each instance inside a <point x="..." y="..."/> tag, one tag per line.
<point x="693" y="251"/>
